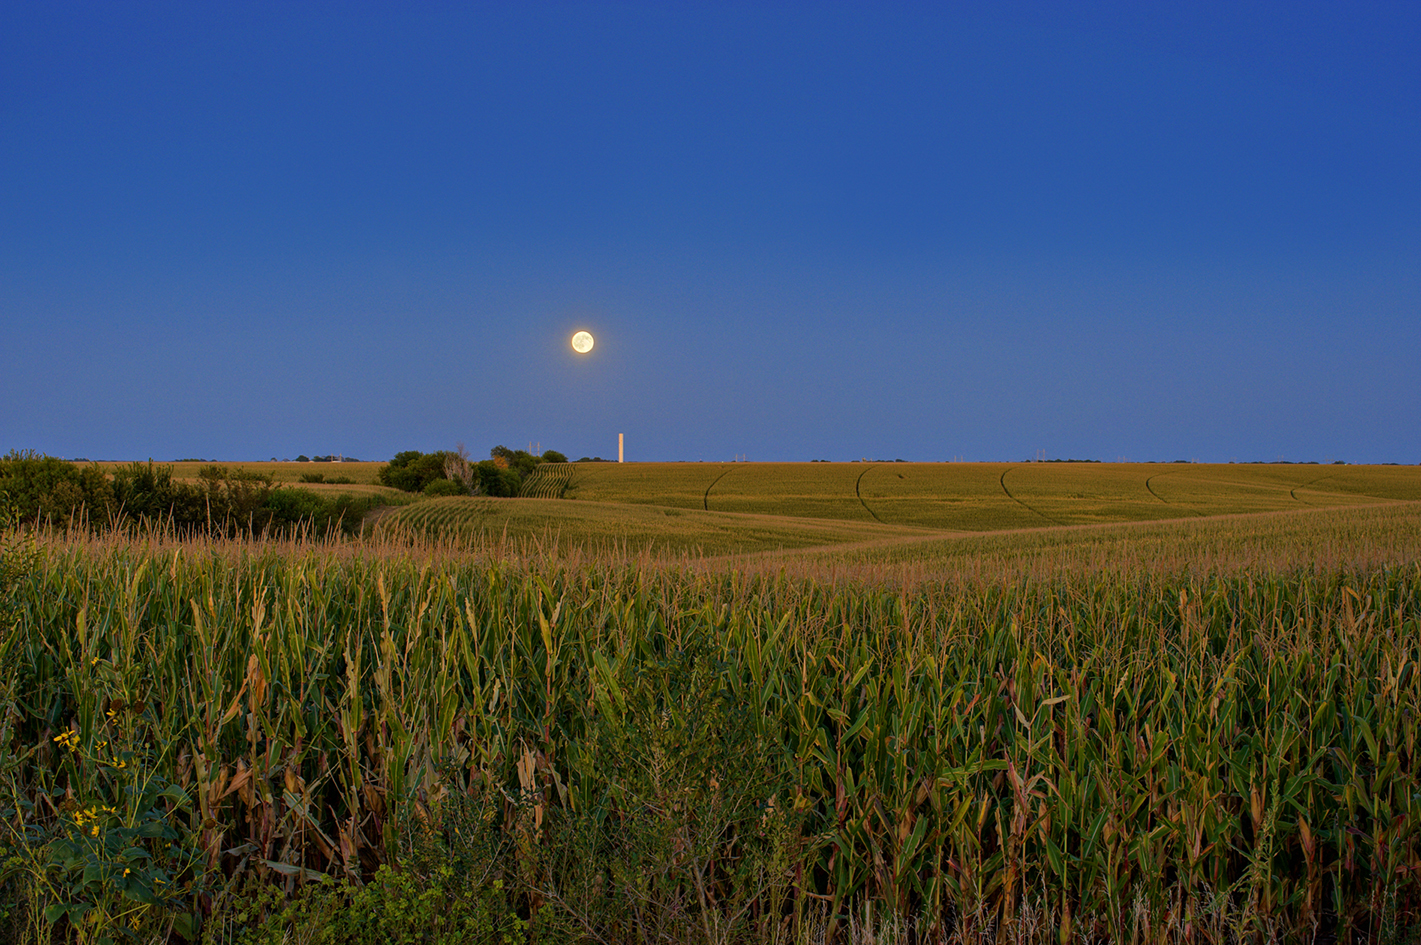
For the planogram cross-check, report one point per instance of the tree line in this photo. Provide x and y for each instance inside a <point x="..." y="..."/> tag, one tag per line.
<point x="45" y="489"/>
<point x="39" y="488"/>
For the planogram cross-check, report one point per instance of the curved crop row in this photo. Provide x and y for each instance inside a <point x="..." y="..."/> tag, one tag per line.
<point x="548" y="481"/>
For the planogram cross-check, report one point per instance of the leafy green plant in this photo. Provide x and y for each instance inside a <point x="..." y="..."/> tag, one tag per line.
<point x="114" y="860"/>
<point x="445" y="888"/>
<point x="114" y="869"/>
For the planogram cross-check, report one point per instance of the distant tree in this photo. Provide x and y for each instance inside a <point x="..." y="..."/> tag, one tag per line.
<point x="412" y="470"/>
<point x="553" y="456"/>
<point x="496" y="480"/>
<point x="521" y="462"/>
<point x="303" y="458"/>
<point x="457" y="468"/>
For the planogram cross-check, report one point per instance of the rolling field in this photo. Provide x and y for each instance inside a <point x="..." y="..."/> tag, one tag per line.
<point x="991" y="496"/>
<point x="607" y="527"/>
<point x="1314" y="540"/>
<point x="908" y="503"/>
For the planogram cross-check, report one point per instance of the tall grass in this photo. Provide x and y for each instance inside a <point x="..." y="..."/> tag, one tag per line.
<point x="670" y="754"/>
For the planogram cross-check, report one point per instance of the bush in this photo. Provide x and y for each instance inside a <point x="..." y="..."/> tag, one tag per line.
<point x="444" y="487"/>
<point x="147" y="492"/>
<point x="43" y="487"/>
<point x="293" y="509"/>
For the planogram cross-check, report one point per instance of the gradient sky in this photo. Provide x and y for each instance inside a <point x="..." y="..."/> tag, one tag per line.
<point x="810" y="231"/>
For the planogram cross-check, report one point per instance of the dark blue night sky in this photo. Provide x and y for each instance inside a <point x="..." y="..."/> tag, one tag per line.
<point x="810" y="231"/>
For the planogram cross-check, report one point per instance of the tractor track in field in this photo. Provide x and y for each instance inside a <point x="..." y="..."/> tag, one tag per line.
<point x="1003" y="481"/>
<point x="1163" y="499"/>
<point x="860" y="495"/>
<point x="705" y="499"/>
<point x="1294" y="491"/>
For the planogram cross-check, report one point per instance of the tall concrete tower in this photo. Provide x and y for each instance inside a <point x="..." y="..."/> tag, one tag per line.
<point x="619" y="447"/>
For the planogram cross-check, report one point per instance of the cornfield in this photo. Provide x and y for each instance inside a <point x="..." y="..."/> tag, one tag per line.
<point x="667" y="754"/>
<point x="548" y="481"/>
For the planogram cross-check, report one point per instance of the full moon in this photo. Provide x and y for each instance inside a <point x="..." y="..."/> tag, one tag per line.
<point x="582" y="342"/>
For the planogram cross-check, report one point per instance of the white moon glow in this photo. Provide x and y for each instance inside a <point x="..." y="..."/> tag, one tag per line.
<point x="582" y="342"/>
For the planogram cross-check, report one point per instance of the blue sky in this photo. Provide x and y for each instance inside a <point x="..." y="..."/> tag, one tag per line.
<point x="829" y="231"/>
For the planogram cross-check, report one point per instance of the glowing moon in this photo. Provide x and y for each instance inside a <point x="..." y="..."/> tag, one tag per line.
<point x="582" y="342"/>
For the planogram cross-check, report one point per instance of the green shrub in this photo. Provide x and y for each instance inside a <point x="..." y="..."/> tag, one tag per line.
<point x="444" y="487"/>
<point x="292" y="509"/>
<point x="43" y="487"/>
<point x="398" y="906"/>
<point x="147" y="492"/>
<point x="446" y="888"/>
